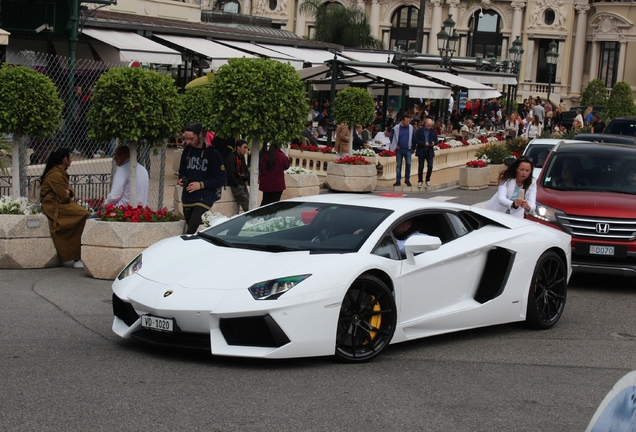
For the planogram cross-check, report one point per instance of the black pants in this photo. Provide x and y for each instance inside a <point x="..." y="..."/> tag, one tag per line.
<point x="193" y="218"/>
<point x="270" y="197"/>
<point x="428" y="157"/>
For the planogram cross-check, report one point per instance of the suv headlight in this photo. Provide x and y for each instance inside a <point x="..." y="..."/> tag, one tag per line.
<point x="272" y="289"/>
<point x="546" y="213"/>
<point x="131" y="269"/>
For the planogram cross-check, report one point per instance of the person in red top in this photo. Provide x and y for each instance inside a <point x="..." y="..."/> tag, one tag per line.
<point x="476" y="107"/>
<point x="272" y="174"/>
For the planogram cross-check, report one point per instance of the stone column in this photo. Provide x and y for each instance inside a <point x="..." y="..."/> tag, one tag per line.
<point x="452" y="8"/>
<point x="559" y="65"/>
<point x="579" y="49"/>
<point x="300" y="20"/>
<point x="436" y="26"/>
<point x="594" y="60"/>
<point x="517" y="19"/>
<point x="374" y="19"/>
<point x="529" y="58"/>
<point x="620" y="72"/>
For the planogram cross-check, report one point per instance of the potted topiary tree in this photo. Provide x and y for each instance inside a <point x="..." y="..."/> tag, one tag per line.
<point x="620" y="102"/>
<point x="261" y="99"/>
<point x="133" y="105"/>
<point x="353" y="105"/>
<point x="30" y="107"/>
<point x="595" y="93"/>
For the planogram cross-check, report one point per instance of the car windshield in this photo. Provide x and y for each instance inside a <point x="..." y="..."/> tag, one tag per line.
<point x="538" y="153"/>
<point x="621" y="127"/>
<point x="591" y="172"/>
<point x="294" y="226"/>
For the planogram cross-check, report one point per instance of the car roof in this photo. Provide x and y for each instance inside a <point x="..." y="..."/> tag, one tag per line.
<point x="401" y="205"/>
<point x="595" y="148"/>
<point x="607" y="138"/>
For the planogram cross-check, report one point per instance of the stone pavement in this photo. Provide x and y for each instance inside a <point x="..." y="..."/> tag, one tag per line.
<point x="441" y="179"/>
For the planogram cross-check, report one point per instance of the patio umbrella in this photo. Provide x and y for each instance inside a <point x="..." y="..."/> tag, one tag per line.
<point x="201" y="81"/>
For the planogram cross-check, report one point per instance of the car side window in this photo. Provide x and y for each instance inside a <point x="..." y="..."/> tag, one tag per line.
<point x="458" y="225"/>
<point x="386" y="248"/>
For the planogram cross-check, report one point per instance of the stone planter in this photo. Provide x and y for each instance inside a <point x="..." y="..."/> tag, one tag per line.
<point x="495" y="170"/>
<point x="352" y="178"/>
<point x="474" y="178"/>
<point x="25" y="242"/>
<point x="298" y="185"/>
<point x="107" y="247"/>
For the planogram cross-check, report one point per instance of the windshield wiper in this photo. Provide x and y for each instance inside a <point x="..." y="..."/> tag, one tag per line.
<point x="216" y="240"/>
<point x="269" y="247"/>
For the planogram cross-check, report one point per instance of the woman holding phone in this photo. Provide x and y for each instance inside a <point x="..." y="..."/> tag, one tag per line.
<point x="517" y="191"/>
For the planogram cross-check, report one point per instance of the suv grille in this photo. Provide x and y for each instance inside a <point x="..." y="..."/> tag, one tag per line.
<point x="600" y="228"/>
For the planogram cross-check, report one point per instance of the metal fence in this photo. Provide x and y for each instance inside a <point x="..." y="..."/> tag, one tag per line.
<point x="92" y="168"/>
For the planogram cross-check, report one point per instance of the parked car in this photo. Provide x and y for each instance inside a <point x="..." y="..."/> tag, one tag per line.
<point x="342" y="275"/>
<point x="567" y="117"/>
<point x="538" y="149"/>
<point x="606" y="138"/>
<point x="589" y="191"/>
<point x="621" y="126"/>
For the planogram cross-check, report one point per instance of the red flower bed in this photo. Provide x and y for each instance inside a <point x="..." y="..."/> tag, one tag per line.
<point x="500" y="137"/>
<point x="311" y="148"/>
<point x="386" y="153"/>
<point x="136" y="214"/>
<point x="483" y="139"/>
<point x="443" y="146"/>
<point x="478" y="163"/>
<point x="352" y="160"/>
<point x="464" y="142"/>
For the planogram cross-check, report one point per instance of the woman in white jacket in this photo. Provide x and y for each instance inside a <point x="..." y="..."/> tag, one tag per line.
<point x="516" y="178"/>
<point x="533" y="129"/>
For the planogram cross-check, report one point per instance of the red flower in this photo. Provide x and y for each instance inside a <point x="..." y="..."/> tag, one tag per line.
<point x="387" y="153"/>
<point x="136" y="214"/>
<point x="352" y="160"/>
<point x="443" y="146"/>
<point x="478" y="163"/>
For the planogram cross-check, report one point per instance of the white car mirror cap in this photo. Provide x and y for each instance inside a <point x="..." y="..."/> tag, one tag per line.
<point x="419" y="244"/>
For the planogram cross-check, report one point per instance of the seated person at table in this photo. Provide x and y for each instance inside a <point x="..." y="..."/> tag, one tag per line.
<point x="468" y="127"/>
<point x="358" y="143"/>
<point x="367" y="133"/>
<point x="383" y="138"/>
<point x="485" y="124"/>
<point x="439" y="127"/>
<point x="309" y="134"/>
<point x="322" y="128"/>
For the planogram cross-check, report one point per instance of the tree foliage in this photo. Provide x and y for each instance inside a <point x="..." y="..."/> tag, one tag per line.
<point x="134" y="105"/>
<point x="197" y="105"/>
<point x="346" y="26"/>
<point x="620" y="102"/>
<point x="29" y="103"/>
<point x="259" y="99"/>
<point x="595" y="94"/>
<point x="353" y="105"/>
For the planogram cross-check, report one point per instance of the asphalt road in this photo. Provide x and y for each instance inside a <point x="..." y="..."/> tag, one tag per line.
<point x="63" y="369"/>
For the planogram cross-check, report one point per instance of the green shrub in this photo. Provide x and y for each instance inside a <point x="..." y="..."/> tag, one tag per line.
<point x="620" y="102"/>
<point x="595" y="94"/>
<point x="495" y="153"/>
<point x="353" y="105"/>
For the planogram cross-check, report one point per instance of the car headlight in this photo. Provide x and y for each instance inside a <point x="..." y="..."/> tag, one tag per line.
<point x="131" y="269"/>
<point x="546" y="213"/>
<point x="272" y="289"/>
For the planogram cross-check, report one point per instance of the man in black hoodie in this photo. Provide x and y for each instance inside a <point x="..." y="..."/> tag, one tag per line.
<point x="201" y="173"/>
<point x="237" y="174"/>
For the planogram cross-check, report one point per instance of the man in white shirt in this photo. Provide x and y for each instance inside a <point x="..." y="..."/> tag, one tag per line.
<point x="120" y="192"/>
<point x="384" y="138"/>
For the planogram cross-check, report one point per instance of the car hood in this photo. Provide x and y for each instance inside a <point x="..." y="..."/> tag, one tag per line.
<point x="196" y="263"/>
<point x="588" y="203"/>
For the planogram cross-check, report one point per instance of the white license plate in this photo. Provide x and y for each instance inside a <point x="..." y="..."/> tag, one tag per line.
<point x="156" y="323"/>
<point x="601" y="250"/>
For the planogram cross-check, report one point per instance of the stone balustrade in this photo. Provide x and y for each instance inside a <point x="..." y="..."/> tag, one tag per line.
<point x="314" y="161"/>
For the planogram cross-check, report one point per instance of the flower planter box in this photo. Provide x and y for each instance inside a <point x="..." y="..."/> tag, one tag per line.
<point x="474" y="178"/>
<point x="107" y="247"/>
<point x="352" y="178"/>
<point x="495" y="170"/>
<point x="298" y="185"/>
<point x="25" y="242"/>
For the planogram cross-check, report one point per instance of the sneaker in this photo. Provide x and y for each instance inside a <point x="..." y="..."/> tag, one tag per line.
<point x="78" y="264"/>
<point x="428" y="183"/>
<point x="408" y="184"/>
<point x="419" y="184"/>
<point x="397" y="184"/>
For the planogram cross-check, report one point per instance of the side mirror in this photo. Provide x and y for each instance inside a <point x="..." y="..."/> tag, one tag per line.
<point x="509" y="161"/>
<point x="419" y="244"/>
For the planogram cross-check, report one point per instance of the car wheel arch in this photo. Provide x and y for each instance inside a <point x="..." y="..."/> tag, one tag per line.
<point x="383" y="276"/>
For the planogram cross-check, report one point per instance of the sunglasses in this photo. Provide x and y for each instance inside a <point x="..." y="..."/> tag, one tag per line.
<point x="525" y="159"/>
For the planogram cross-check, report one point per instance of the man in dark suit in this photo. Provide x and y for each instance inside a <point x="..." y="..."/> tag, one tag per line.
<point x="424" y="140"/>
<point x="358" y="142"/>
<point x="309" y="134"/>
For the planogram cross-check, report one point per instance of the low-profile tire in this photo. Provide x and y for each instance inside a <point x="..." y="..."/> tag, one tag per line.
<point x="367" y="320"/>
<point x="548" y="290"/>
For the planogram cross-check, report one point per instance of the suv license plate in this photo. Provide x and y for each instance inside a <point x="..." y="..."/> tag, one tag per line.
<point x="601" y="250"/>
<point x="156" y="323"/>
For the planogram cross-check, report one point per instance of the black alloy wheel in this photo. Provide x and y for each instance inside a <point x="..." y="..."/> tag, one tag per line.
<point x="548" y="290"/>
<point x="367" y="320"/>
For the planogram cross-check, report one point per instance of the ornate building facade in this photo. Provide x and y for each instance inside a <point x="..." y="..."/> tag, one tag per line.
<point x="594" y="39"/>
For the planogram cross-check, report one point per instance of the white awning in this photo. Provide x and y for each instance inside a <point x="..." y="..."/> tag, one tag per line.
<point x="4" y="37"/>
<point x="217" y="53"/>
<point x="418" y="87"/>
<point x="475" y="89"/>
<point x="490" y="79"/>
<point x="133" y="47"/>
<point x="264" y="52"/>
<point x="308" y="55"/>
<point x="369" y="57"/>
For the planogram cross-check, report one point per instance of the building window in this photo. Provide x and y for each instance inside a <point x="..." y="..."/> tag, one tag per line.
<point x="542" y="63"/>
<point x="484" y="35"/>
<point x="273" y="4"/>
<point x="609" y="63"/>
<point x="404" y="28"/>
<point x="549" y="16"/>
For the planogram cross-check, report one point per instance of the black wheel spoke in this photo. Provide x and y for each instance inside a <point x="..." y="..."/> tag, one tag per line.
<point x="547" y="297"/>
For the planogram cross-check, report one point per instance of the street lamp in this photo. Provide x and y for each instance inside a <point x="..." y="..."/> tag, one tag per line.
<point x="447" y="40"/>
<point x="552" y="57"/>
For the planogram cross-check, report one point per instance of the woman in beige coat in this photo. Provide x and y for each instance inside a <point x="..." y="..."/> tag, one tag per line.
<point x="66" y="217"/>
<point x="341" y="144"/>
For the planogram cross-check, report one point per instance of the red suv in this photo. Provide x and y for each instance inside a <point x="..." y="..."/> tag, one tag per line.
<point x="589" y="191"/>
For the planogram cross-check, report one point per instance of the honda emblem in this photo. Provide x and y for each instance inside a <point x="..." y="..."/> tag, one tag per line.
<point x="602" y="228"/>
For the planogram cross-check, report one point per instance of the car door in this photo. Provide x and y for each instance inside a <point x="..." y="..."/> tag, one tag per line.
<point x="444" y="280"/>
